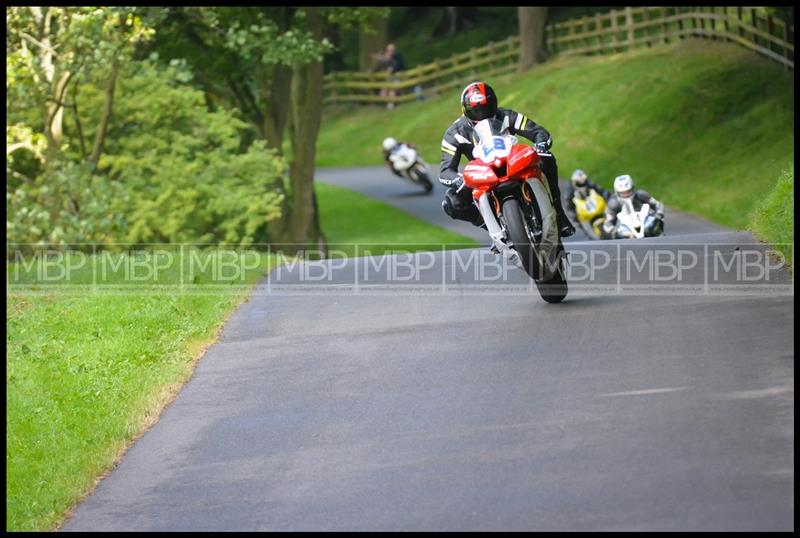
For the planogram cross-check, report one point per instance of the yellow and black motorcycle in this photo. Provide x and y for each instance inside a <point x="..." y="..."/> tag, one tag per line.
<point x="590" y="210"/>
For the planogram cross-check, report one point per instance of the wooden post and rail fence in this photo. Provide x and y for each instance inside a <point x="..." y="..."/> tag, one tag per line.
<point x="616" y="31"/>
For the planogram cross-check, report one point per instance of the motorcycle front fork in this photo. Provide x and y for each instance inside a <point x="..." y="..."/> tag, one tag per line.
<point x="497" y="231"/>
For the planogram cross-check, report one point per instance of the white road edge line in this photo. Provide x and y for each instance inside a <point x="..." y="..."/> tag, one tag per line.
<point x="646" y="391"/>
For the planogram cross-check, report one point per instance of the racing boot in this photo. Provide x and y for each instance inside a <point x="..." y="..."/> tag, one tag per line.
<point x="565" y="227"/>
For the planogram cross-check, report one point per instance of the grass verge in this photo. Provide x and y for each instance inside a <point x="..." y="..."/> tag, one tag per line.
<point x="87" y="371"/>
<point x="773" y="219"/>
<point x="350" y="219"/>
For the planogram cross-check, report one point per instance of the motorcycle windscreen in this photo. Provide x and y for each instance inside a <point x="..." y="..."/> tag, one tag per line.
<point x="492" y="140"/>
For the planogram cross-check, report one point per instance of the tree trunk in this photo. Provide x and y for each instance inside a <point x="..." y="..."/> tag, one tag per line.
<point x="532" y="49"/>
<point x="306" y="115"/>
<point x="371" y="39"/>
<point x="275" y="86"/>
<point x="108" y="107"/>
<point x="276" y="114"/>
<point x="452" y="13"/>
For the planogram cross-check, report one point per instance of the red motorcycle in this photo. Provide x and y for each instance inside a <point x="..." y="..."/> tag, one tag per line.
<point x="513" y="196"/>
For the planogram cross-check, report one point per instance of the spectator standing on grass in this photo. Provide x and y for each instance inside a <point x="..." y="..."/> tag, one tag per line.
<point x="392" y="62"/>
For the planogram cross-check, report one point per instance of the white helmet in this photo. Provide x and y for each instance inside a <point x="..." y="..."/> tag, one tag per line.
<point x="578" y="178"/>
<point x="623" y="186"/>
<point x="389" y="144"/>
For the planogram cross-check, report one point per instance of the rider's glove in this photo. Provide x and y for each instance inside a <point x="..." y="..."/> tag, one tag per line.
<point x="542" y="147"/>
<point x="458" y="182"/>
<point x="660" y="215"/>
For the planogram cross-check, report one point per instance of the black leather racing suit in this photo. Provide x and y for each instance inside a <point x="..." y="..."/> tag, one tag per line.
<point x="614" y="206"/>
<point x="457" y="142"/>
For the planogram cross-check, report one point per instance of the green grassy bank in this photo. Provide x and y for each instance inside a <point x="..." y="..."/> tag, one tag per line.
<point x="707" y="127"/>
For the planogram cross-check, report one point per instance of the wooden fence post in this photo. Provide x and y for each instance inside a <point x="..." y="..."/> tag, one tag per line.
<point x="614" y="30"/>
<point x="713" y="23"/>
<point x="726" y="25"/>
<point x="585" y="30"/>
<point x="770" y="31"/>
<point x="572" y="31"/>
<point x="598" y="24"/>
<point x="680" y="24"/>
<point x="702" y="20"/>
<point x="740" y="16"/>
<point x="629" y="23"/>
<point x="785" y="40"/>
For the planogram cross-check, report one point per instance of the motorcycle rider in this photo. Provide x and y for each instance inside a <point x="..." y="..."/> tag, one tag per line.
<point x="390" y="145"/>
<point x="623" y="190"/>
<point x="579" y="184"/>
<point x="479" y="102"/>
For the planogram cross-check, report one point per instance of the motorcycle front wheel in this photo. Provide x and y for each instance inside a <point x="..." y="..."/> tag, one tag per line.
<point x="553" y="290"/>
<point x="518" y="234"/>
<point x="423" y="180"/>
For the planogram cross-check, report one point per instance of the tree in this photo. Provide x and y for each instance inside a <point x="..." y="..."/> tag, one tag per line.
<point x="267" y="62"/>
<point x="372" y="37"/>
<point x="49" y="48"/>
<point x="532" y="48"/>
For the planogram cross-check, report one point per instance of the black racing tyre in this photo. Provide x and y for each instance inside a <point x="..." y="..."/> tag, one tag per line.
<point x="425" y="182"/>
<point x="421" y="178"/>
<point x="555" y="289"/>
<point x="518" y="234"/>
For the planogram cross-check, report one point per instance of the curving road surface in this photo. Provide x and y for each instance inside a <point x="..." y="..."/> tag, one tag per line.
<point x="444" y="403"/>
<point x="379" y="183"/>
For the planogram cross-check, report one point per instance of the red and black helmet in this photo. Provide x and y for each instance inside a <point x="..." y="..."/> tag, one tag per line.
<point x="478" y="101"/>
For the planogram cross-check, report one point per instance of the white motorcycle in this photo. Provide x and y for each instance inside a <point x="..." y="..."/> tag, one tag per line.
<point x="632" y="224"/>
<point x="408" y="162"/>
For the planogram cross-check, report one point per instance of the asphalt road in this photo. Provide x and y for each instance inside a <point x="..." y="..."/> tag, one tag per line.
<point x="378" y="182"/>
<point x="365" y="401"/>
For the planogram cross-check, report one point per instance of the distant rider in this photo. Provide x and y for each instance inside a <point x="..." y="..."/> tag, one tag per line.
<point x="579" y="184"/>
<point x="623" y="190"/>
<point x="479" y="102"/>
<point x="390" y="145"/>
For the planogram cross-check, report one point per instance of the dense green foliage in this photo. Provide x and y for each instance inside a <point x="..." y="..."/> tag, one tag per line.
<point x="167" y="160"/>
<point x="705" y="126"/>
<point x="133" y="154"/>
